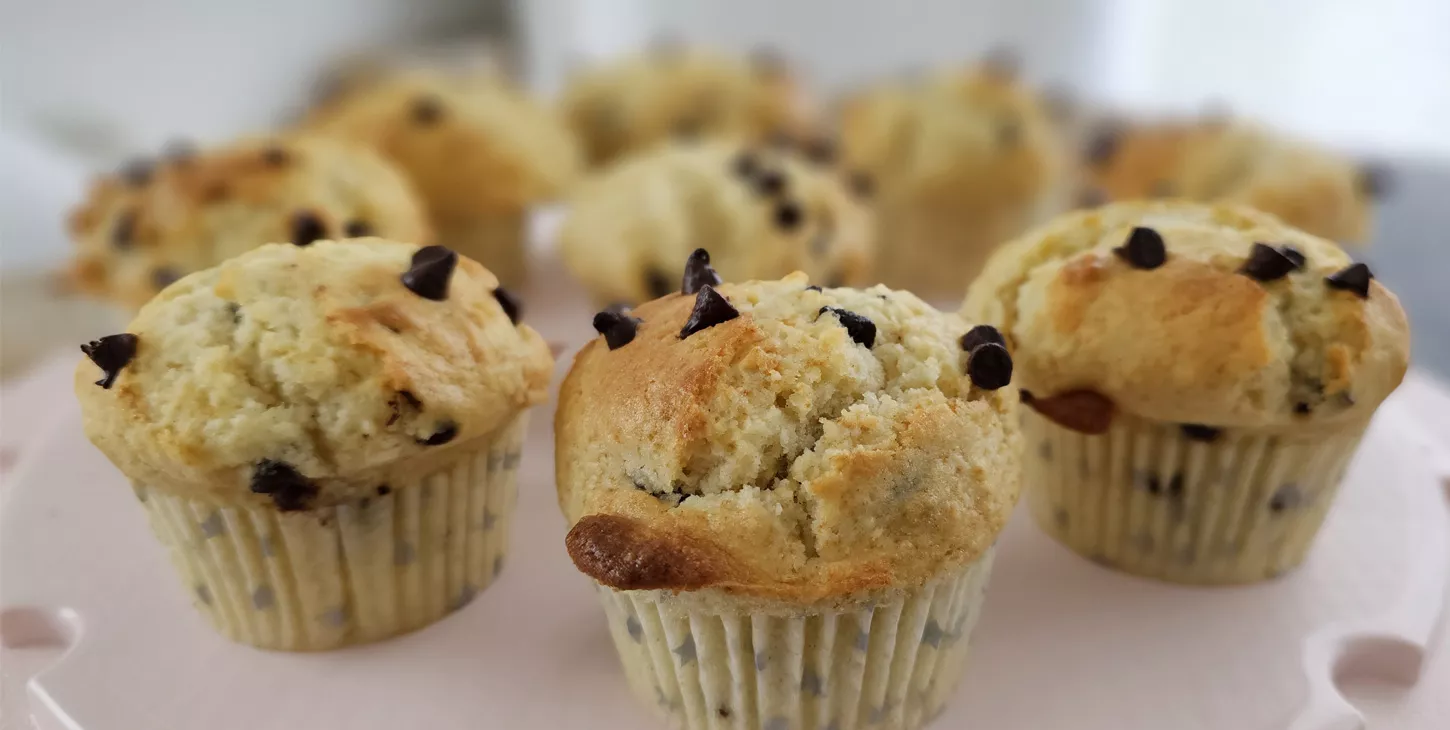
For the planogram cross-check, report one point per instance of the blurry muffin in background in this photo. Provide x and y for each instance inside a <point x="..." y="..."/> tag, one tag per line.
<point x="157" y="220"/>
<point x="762" y="211"/>
<point x="960" y="160"/>
<point x="1215" y="159"/>
<point x="479" y="151"/>
<point x="635" y="102"/>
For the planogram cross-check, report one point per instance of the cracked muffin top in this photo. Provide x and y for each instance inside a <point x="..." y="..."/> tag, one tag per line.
<point x="1203" y="314"/>
<point x="328" y="367"/>
<point x="785" y="442"/>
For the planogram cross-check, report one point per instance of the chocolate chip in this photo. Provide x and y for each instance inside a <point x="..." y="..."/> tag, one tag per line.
<point x="445" y="433"/>
<point x="1374" y="181"/>
<point x="403" y="400"/>
<point x="1102" y="146"/>
<point x="1302" y="408"/>
<point x="769" y="183"/>
<point x="711" y="308"/>
<point x="860" y="328"/>
<point x="1144" y="249"/>
<point x="821" y="151"/>
<point x="861" y="184"/>
<point x="137" y="172"/>
<point x="1200" y="432"/>
<point x="1084" y="411"/>
<point x="307" y="227"/>
<point x="657" y="284"/>
<point x="1286" y="497"/>
<point x="384" y="490"/>
<point x="511" y="305"/>
<point x="980" y="335"/>
<point x="357" y="228"/>
<point x="426" y="110"/>
<point x="234" y="311"/>
<point x="990" y="366"/>
<point x="618" y="328"/>
<point x="164" y="276"/>
<point x="788" y="216"/>
<point x="124" y="232"/>
<point x="275" y="156"/>
<point x="698" y="272"/>
<point x="1267" y="263"/>
<point x="431" y="270"/>
<point x="110" y="354"/>
<point x="813" y="287"/>
<point x="1174" y="490"/>
<point x="745" y="165"/>
<point x="1353" y="278"/>
<point x="289" y="490"/>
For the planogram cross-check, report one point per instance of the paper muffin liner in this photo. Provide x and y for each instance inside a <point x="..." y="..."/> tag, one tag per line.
<point x="1146" y="499"/>
<point x="498" y="241"/>
<point x="352" y="573"/>
<point x="887" y="666"/>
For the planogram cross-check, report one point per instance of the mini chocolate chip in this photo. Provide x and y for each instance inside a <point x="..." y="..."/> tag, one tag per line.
<point x="1153" y="486"/>
<point x="1200" y="432"/>
<point x="711" y="308"/>
<point x="110" y="354"/>
<point x="1162" y="189"/>
<point x="724" y="713"/>
<point x="445" y="433"/>
<point x="860" y="328"/>
<point x="275" y="156"/>
<point x="164" y="276"/>
<point x="657" y="284"/>
<point x="1175" y="486"/>
<point x="745" y="165"/>
<point x="1091" y="198"/>
<point x="1286" y="497"/>
<point x="510" y="304"/>
<point x="813" y="287"/>
<point x="357" y="228"/>
<point x="990" y="366"/>
<point x="981" y="335"/>
<point x="1353" y="278"/>
<point x="1302" y="408"/>
<point x="1025" y="396"/>
<point x="137" y="172"/>
<point x="426" y="110"/>
<point x="1374" y="181"/>
<point x="384" y="490"/>
<point x="618" y="328"/>
<point x="821" y="151"/>
<point x="769" y="183"/>
<point x="124" y="232"/>
<point x="307" y="227"/>
<point x="1267" y="263"/>
<point x="289" y="490"/>
<point x="1102" y="146"/>
<point x="698" y="272"/>
<point x="431" y="270"/>
<point x="788" y="216"/>
<point x="1009" y="133"/>
<point x="1144" y="249"/>
<point x="234" y="311"/>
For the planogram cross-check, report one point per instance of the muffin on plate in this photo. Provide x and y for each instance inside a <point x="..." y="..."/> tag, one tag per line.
<point x="1197" y="378"/>
<point x="325" y="438"/>
<point x="636" y="102"/>
<point x="788" y="497"/>
<point x="961" y="161"/>
<point x="1217" y="159"/>
<point x="479" y="151"/>
<point x="762" y="212"/>
<point x="158" y="220"/>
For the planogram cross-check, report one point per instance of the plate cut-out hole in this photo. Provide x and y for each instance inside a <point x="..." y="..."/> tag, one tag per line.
<point x="28" y="627"/>
<point x="1373" y="672"/>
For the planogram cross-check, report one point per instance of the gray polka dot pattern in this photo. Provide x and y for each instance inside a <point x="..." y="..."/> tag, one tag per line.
<point x="336" y="618"/>
<point x="140" y="492"/>
<point x="761" y="659"/>
<point x="636" y="631"/>
<point x="264" y="598"/>
<point x="932" y="635"/>
<point x="511" y="460"/>
<point x="203" y="594"/>
<point x="213" y="526"/>
<point x="811" y="683"/>
<point x="465" y="597"/>
<point x="269" y="546"/>
<point x="497" y="566"/>
<point x="863" y="640"/>
<point x="686" y="650"/>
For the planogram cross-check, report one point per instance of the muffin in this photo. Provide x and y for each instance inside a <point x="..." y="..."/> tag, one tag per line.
<point x="156" y="221"/>
<point x="1219" y="160"/>
<point x="673" y="92"/>
<point x="325" y="438"/>
<point x="788" y="497"/>
<point x="961" y="161"/>
<point x="479" y="151"/>
<point x="1197" y="378"/>
<point x="762" y="212"/>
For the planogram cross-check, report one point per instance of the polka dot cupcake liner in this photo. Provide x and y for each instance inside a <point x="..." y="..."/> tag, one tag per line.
<point x="496" y="240"/>
<point x="1187" y="504"/>
<point x="352" y="573"/>
<point x="887" y="666"/>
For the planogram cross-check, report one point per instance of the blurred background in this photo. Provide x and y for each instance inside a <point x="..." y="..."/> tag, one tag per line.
<point x="86" y="84"/>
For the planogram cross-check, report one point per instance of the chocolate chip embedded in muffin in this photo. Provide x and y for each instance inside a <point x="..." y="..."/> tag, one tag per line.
<point x="745" y="164"/>
<point x="426" y="110"/>
<point x="989" y="365"/>
<point x="431" y="271"/>
<point x="1353" y="278"/>
<point x="123" y="234"/>
<point x="1084" y="411"/>
<point x="711" y="308"/>
<point x="110" y="354"/>
<point x="1144" y="249"/>
<point x="980" y="335"/>
<point x="1200" y="432"/>
<point x="821" y="151"/>
<point x="698" y="272"/>
<point x="617" y="327"/>
<point x="510" y="304"/>
<point x="357" y="228"/>
<point x="1267" y="263"/>
<point x="275" y="156"/>
<point x="788" y="216"/>
<point x="1286" y="498"/>
<point x="769" y="183"/>
<point x="307" y="228"/>
<point x="445" y="432"/>
<point x="861" y="329"/>
<point x="289" y="489"/>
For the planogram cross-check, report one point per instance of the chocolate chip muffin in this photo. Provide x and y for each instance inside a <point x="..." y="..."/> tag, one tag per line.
<point x="155" y="221"/>
<point x="479" y="151"/>
<point x="960" y="162"/>
<point x="325" y="438"/>
<point x="762" y="212"/>
<point x="788" y="496"/>
<point x="1221" y="160"/>
<point x="1197" y="378"/>
<point x="633" y="103"/>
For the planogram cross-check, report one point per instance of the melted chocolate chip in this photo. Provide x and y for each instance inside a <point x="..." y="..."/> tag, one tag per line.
<point x="711" y="308"/>
<point x="307" y="227"/>
<point x="1144" y="249"/>
<point x="745" y="165"/>
<point x="445" y="433"/>
<point x="1200" y="432"/>
<point x="426" y="110"/>
<point x="510" y="304"/>
<point x="657" y="284"/>
<point x="289" y="490"/>
<point x="860" y="328"/>
<point x="136" y="173"/>
<point x="698" y="272"/>
<point x="1353" y="278"/>
<point x="980" y="335"/>
<point x="861" y="184"/>
<point x="124" y="232"/>
<point x="1084" y="411"/>
<point x="788" y="216"/>
<point x="1267" y="263"/>
<point x="769" y="183"/>
<point x="275" y="156"/>
<point x="164" y="276"/>
<point x="357" y="228"/>
<point x="430" y="273"/>
<point x="617" y="327"/>
<point x="110" y="354"/>
<point x="990" y="366"/>
<point x="1102" y="146"/>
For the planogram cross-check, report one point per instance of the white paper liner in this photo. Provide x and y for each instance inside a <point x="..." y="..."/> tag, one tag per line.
<point x="352" y="573"/>
<point x="497" y="241"/>
<point x="1146" y="499"/>
<point x="888" y="666"/>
